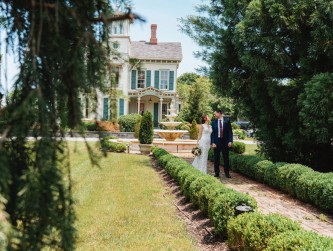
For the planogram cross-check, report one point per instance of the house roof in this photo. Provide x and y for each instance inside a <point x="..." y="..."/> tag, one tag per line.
<point x="163" y="51"/>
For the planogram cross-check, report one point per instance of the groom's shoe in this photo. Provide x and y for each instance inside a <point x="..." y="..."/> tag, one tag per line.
<point x="228" y="175"/>
<point x="217" y="175"/>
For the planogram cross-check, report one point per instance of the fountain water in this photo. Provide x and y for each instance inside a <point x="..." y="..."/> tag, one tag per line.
<point x="171" y="134"/>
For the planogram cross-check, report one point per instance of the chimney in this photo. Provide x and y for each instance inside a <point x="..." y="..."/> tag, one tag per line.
<point x="153" y="39"/>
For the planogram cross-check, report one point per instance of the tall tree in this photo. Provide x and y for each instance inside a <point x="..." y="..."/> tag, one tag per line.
<point x="62" y="48"/>
<point x="263" y="53"/>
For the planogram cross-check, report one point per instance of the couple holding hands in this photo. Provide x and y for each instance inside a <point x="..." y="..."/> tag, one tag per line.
<point x="219" y="136"/>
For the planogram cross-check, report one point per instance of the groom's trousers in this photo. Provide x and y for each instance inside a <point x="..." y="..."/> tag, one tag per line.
<point x="221" y="146"/>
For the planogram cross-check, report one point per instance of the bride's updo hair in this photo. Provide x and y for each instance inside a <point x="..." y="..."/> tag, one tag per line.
<point x="203" y="118"/>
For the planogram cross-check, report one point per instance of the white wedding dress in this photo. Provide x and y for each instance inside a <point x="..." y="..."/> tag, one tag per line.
<point x="200" y="162"/>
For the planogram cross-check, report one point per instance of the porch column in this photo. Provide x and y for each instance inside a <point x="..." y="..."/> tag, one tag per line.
<point x="139" y="98"/>
<point x="160" y="112"/>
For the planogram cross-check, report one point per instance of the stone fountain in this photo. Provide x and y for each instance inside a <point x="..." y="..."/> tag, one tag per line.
<point x="171" y="134"/>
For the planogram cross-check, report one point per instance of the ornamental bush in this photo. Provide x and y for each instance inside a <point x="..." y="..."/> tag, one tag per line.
<point x="127" y="122"/>
<point x="197" y="185"/>
<point x="137" y="127"/>
<point x="253" y="231"/>
<point x="261" y="168"/>
<point x="299" y="240"/>
<point x="271" y="174"/>
<point x="221" y="209"/>
<point x="194" y="130"/>
<point x="146" y="132"/>
<point x="240" y="133"/>
<point x="238" y="147"/>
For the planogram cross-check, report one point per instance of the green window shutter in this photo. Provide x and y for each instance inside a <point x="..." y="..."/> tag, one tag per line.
<point x="155" y="114"/>
<point x="106" y="108"/>
<point x="121" y="106"/>
<point x="133" y="80"/>
<point x="148" y="83"/>
<point x="157" y="80"/>
<point x="171" y="80"/>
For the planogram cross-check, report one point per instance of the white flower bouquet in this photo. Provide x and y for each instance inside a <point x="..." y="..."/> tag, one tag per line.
<point x="196" y="151"/>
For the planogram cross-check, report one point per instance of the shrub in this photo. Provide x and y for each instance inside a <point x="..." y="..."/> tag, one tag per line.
<point x="252" y="231"/>
<point x="245" y="164"/>
<point x="188" y="179"/>
<point x="299" y="240"/>
<point x="271" y="174"/>
<point x="221" y="209"/>
<point x="234" y="126"/>
<point x="90" y="125"/>
<point x="208" y="193"/>
<point x="112" y="146"/>
<point x="159" y="152"/>
<point x="238" y="147"/>
<point x="137" y="127"/>
<point x="127" y="122"/>
<point x="261" y="168"/>
<point x="146" y="132"/>
<point x="240" y="133"/>
<point x="197" y="185"/>
<point x="194" y="130"/>
<point x="322" y="191"/>
<point x="175" y="165"/>
<point x="288" y="176"/>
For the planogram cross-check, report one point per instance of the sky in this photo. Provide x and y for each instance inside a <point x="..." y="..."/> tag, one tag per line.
<point x="164" y="13"/>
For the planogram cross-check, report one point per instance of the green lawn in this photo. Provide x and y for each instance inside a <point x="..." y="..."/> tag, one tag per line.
<point x="124" y="205"/>
<point x="250" y="149"/>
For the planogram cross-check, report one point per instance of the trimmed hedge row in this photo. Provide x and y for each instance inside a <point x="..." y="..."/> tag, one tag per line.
<point x="204" y="191"/>
<point x="297" y="180"/>
<point x="112" y="146"/>
<point x="252" y="231"/>
<point x="272" y="232"/>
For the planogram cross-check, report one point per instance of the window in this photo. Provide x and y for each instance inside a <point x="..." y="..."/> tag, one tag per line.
<point x="164" y="79"/>
<point x="115" y="28"/>
<point x="141" y="79"/>
<point x="115" y="45"/>
<point x="118" y="28"/>
<point x="115" y="76"/>
<point x="121" y="28"/>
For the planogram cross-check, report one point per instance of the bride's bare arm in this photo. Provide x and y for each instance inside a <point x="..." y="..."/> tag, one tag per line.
<point x="200" y="134"/>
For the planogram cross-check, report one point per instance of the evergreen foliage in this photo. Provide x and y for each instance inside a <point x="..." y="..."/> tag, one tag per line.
<point x="194" y="130"/>
<point x="63" y="52"/>
<point x="146" y="132"/>
<point x="137" y="127"/>
<point x="274" y="58"/>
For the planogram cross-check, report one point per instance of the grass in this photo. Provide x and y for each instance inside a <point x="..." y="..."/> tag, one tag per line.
<point x="250" y="149"/>
<point x="124" y="205"/>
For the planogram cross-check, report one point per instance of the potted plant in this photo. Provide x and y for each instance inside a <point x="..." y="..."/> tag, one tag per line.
<point x="146" y="133"/>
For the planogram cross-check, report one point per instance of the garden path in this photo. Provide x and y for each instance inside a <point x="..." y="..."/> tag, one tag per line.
<point x="273" y="201"/>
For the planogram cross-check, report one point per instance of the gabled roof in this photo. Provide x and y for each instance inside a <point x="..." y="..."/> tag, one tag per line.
<point x="162" y="51"/>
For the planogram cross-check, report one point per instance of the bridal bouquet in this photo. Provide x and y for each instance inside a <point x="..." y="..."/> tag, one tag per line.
<point x="196" y="151"/>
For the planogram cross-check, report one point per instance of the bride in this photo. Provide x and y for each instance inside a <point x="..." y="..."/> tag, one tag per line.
<point x="203" y="142"/>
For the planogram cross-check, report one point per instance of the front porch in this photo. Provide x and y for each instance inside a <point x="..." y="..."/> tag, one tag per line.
<point x="153" y="100"/>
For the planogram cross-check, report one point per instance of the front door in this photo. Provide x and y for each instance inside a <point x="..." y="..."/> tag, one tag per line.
<point x="155" y="114"/>
<point x="142" y="108"/>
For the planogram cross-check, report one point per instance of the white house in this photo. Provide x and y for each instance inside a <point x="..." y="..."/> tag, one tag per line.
<point x="150" y="84"/>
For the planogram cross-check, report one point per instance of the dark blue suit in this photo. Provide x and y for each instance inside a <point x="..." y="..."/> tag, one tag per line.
<point x="221" y="144"/>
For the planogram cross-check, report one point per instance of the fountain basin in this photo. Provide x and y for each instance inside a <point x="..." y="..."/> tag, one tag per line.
<point x="170" y="125"/>
<point x="170" y="135"/>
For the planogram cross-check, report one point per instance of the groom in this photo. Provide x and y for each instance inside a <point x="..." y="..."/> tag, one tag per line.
<point x="221" y="139"/>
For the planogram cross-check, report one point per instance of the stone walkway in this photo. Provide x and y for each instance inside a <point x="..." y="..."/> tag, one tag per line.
<point x="273" y="201"/>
